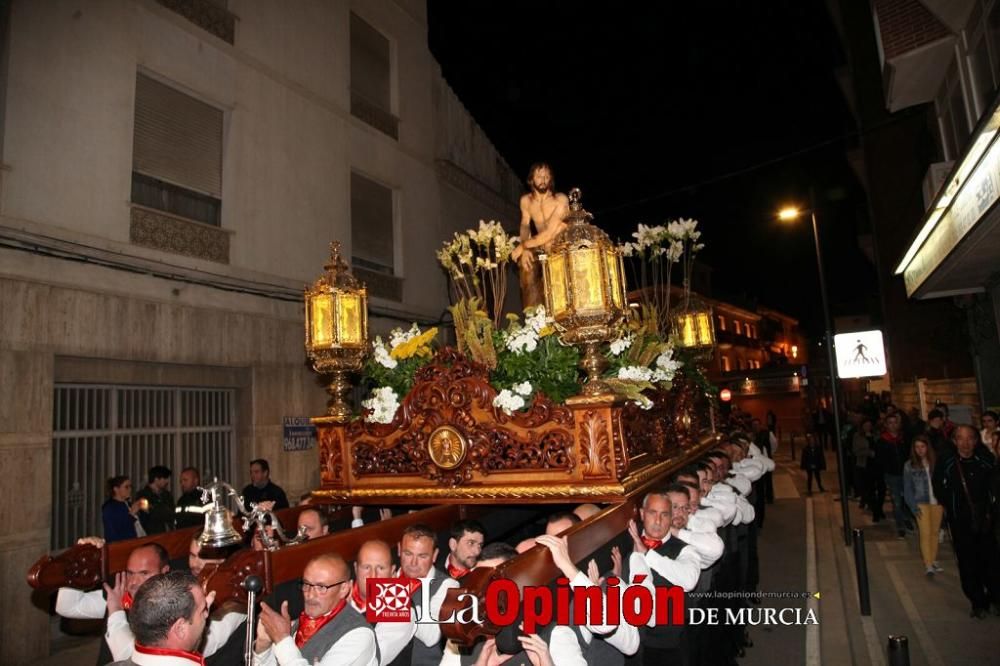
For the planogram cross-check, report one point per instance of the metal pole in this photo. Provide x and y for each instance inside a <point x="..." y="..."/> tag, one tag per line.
<point x="841" y="470"/>
<point x="861" y="566"/>
<point x="899" y="651"/>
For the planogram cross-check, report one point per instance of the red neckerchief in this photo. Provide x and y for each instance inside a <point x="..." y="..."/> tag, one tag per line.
<point x="652" y="544"/>
<point x="359" y="603"/>
<point x="889" y="437"/>
<point x="193" y="657"/>
<point x="308" y="626"/>
<point x="127" y="601"/>
<point x="456" y="572"/>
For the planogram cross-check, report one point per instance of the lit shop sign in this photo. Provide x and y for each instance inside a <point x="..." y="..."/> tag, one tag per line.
<point x="767" y="385"/>
<point x="860" y="354"/>
<point x="970" y="191"/>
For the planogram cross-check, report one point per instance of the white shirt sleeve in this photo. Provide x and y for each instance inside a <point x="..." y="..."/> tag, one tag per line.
<point x="740" y="482"/>
<point x="754" y="450"/>
<point x="355" y="648"/>
<point x="749" y="468"/>
<point x="706" y="519"/>
<point x="746" y="510"/>
<point x="707" y="545"/>
<point x="121" y="642"/>
<point x="726" y="505"/>
<point x="220" y="630"/>
<point x="683" y="571"/>
<point x="565" y="648"/>
<point x="430" y="634"/>
<point x="392" y="637"/>
<point x="624" y="636"/>
<point x="79" y="605"/>
<point x="357" y="522"/>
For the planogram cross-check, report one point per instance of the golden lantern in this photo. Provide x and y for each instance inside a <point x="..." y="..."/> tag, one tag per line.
<point x="584" y="280"/>
<point x="694" y="327"/>
<point x="337" y="329"/>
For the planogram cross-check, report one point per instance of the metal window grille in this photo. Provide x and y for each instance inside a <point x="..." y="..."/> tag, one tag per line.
<point x="100" y="431"/>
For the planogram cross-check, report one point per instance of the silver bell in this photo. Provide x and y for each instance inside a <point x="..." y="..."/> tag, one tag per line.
<point x="219" y="532"/>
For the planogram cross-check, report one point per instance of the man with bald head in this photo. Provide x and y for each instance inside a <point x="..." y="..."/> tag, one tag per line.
<point x="375" y="561"/>
<point x="329" y="632"/>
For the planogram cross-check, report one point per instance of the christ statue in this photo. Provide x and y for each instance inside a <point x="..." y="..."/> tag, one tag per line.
<point x="547" y="209"/>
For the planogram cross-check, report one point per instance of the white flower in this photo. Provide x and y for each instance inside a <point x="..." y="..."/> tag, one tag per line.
<point x="621" y="344"/>
<point x="635" y="373"/>
<point x="524" y="340"/>
<point x="666" y="366"/>
<point x="537" y="319"/>
<point x="644" y="402"/>
<point x="675" y="250"/>
<point x="508" y="401"/>
<point x="524" y="388"/>
<point x="383" y="405"/>
<point x="381" y="354"/>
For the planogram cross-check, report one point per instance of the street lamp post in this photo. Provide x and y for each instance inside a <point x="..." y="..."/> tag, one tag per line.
<point x="789" y="214"/>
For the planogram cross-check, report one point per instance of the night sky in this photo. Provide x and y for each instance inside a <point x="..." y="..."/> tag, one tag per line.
<point x="719" y="111"/>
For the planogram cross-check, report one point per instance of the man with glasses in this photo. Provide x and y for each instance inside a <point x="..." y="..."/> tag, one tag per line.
<point x="328" y="632"/>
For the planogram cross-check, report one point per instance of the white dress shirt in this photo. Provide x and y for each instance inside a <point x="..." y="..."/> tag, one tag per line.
<point x="707" y="544"/>
<point x="121" y="642"/>
<point x="430" y="634"/>
<point x="355" y="648"/>
<point x="565" y="648"/>
<point x="624" y="636"/>
<point x="391" y="637"/>
<point x="682" y="571"/>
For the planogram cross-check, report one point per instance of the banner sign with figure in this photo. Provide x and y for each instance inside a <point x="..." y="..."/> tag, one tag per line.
<point x="860" y="354"/>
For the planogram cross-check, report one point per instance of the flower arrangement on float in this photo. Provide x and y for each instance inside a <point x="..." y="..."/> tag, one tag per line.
<point x="524" y="357"/>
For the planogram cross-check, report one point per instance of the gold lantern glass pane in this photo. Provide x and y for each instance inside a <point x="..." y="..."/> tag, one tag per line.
<point x="687" y="331"/>
<point x="349" y="319"/>
<point x="704" y="329"/>
<point x="587" y="292"/>
<point x="614" y="277"/>
<point x="321" y="321"/>
<point x="557" y="281"/>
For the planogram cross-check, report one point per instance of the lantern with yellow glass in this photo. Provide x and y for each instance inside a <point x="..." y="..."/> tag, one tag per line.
<point x="337" y="330"/>
<point x="694" y="328"/>
<point x="585" y="293"/>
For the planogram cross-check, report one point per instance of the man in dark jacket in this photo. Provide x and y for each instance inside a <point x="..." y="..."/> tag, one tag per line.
<point x="190" y="511"/>
<point x="963" y="486"/>
<point x="891" y="451"/>
<point x="156" y="504"/>
<point x="261" y="489"/>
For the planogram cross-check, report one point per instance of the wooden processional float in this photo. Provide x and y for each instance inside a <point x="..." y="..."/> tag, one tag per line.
<point x="449" y="448"/>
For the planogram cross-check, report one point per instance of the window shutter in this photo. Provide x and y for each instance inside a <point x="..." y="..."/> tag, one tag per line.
<point x="370" y="65"/>
<point x="178" y="139"/>
<point x="371" y="224"/>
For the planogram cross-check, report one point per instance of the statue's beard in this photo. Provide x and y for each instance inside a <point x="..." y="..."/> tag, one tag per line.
<point x="541" y="188"/>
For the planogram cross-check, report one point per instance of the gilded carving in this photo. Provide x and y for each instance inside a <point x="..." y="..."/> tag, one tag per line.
<point x="595" y="445"/>
<point x="446" y="447"/>
<point x="452" y="395"/>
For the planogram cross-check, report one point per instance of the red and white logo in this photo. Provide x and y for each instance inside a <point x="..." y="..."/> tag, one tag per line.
<point x="389" y="599"/>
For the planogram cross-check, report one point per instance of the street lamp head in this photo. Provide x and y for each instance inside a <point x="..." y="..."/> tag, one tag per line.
<point x="789" y="214"/>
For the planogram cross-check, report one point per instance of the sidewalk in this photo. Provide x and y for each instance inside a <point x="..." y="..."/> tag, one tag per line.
<point x="931" y="612"/>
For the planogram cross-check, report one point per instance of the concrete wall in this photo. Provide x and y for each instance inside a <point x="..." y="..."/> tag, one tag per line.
<point x="120" y="313"/>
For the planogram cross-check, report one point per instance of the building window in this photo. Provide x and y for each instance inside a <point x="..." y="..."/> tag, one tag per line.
<point x="371" y="77"/>
<point x="952" y="115"/>
<point x="722" y="323"/>
<point x="176" y="153"/>
<point x="737" y="327"/>
<point x="981" y="64"/>
<point x="739" y="364"/>
<point x="726" y="364"/>
<point x="372" y="226"/>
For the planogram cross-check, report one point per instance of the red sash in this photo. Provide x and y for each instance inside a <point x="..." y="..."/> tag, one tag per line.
<point x="308" y="626"/>
<point x="359" y="603"/>
<point x="456" y="572"/>
<point x="193" y="657"/>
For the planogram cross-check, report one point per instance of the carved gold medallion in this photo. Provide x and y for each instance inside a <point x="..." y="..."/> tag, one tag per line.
<point x="446" y="447"/>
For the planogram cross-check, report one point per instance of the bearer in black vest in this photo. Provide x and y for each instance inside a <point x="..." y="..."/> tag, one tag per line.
<point x="417" y="553"/>
<point x="329" y="632"/>
<point x="672" y="562"/>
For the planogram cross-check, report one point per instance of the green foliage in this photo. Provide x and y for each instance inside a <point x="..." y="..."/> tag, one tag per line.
<point x="399" y="379"/>
<point x="551" y="368"/>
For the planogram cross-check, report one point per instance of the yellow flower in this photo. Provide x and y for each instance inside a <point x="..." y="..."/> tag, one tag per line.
<point x="546" y="330"/>
<point x="418" y="346"/>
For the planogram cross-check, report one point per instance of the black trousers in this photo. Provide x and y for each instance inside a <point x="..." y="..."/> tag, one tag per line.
<point x="861" y="485"/>
<point x="809" y="479"/>
<point x="977" y="565"/>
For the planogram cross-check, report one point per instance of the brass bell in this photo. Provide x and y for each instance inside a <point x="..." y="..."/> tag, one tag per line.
<point x="219" y="532"/>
